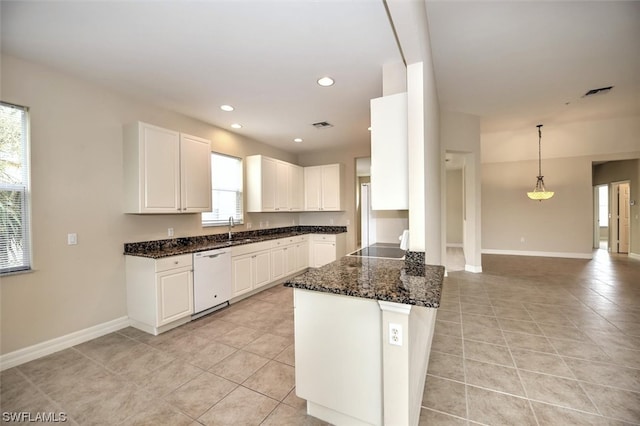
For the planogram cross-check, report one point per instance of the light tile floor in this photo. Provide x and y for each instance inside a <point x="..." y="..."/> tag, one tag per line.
<point x="529" y="341"/>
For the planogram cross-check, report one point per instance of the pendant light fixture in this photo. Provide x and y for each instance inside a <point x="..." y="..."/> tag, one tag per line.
<point x="539" y="192"/>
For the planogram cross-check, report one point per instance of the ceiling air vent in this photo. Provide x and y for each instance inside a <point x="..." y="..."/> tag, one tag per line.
<point x="599" y="91"/>
<point x="322" y="125"/>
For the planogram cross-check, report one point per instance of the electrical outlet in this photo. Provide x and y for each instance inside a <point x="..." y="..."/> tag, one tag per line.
<point x="395" y="334"/>
<point x="72" y="239"/>
<point x="248" y="225"/>
<point x="522" y="240"/>
<point x="348" y="222"/>
<point x="266" y="224"/>
<point x="261" y="224"/>
<point x="331" y="221"/>
<point x="170" y="232"/>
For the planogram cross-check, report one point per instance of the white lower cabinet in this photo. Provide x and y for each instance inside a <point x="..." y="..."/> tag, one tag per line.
<point x="326" y="248"/>
<point x="159" y="292"/>
<point x="250" y="271"/>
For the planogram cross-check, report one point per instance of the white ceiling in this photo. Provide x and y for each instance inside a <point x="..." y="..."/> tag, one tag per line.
<point x="512" y="63"/>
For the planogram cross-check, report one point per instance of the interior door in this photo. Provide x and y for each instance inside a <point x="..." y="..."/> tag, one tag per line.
<point x="623" y="217"/>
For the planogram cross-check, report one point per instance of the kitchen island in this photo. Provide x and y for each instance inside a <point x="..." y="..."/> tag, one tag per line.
<point x="363" y="331"/>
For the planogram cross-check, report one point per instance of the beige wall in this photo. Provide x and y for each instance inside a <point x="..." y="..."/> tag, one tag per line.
<point x="563" y="224"/>
<point x="76" y="161"/>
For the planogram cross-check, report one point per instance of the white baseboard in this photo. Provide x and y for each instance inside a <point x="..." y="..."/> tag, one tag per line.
<point x="39" y="350"/>
<point x="634" y="256"/>
<point x="473" y="268"/>
<point x="539" y="253"/>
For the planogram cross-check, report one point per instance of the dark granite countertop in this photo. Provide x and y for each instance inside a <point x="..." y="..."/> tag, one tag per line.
<point x="408" y="282"/>
<point x="176" y="246"/>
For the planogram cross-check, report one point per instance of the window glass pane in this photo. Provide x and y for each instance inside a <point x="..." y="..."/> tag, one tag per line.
<point x="14" y="179"/>
<point x="226" y="191"/>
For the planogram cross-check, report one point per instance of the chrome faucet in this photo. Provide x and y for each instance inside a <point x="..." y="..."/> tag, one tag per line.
<point x="231" y="225"/>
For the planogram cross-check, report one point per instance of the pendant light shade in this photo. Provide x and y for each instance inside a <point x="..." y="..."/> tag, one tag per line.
<point x="539" y="192"/>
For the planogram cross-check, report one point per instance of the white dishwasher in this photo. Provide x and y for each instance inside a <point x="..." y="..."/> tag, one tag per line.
<point x="211" y="281"/>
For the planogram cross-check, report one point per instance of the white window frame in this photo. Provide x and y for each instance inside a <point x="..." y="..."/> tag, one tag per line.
<point x="218" y="187"/>
<point x="21" y="250"/>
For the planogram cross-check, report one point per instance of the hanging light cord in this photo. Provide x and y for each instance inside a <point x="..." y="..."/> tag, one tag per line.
<point x="539" y="126"/>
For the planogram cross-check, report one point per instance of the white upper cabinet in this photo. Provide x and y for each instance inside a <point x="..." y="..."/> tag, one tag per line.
<point x="323" y="188"/>
<point x="273" y="185"/>
<point x="389" y="153"/>
<point x="165" y="171"/>
<point x="195" y="174"/>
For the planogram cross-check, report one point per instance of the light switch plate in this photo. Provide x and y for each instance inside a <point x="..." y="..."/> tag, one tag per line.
<point x="72" y="239"/>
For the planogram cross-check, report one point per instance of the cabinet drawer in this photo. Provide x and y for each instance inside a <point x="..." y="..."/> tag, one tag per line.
<point x="281" y="242"/>
<point x="250" y="248"/>
<point x="324" y="237"/>
<point x="172" y="262"/>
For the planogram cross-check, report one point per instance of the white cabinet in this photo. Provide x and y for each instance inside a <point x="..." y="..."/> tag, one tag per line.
<point x="273" y="185"/>
<point x="326" y="248"/>
<point x="323" y="187"/>
<point x="296" y="188"/>
<point x="165" y="171"/>
<point x="389" y="153"/>
<point x="289" y="255"/>
<point x="251" y="267"/>
<point x="159" y="292"/>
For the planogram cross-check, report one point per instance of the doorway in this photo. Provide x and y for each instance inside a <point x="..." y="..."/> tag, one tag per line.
<point x="601" y="216"/>
<point x="620" y="216"/>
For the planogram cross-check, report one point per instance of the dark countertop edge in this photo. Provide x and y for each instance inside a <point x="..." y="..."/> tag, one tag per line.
<point x="436" y="274"/>
<point x="189" y="245"/>
<point x="339" y="293"/>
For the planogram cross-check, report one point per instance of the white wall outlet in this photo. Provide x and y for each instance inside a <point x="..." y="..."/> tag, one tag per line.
<point x="261" y="224"/>
<point x="170" y="232"/>
<point x="72" y="239"/>
<point x="395" y="334"/>
<point x="348" y="222"/>
<point x="249" y="225"/>
<point x="522" y="240"/>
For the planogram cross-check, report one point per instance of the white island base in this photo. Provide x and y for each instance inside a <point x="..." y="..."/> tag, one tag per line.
<point x="346" y="368"/>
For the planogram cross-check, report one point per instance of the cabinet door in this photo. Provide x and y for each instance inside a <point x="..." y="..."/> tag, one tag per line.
<point x="296" y="188"/>
<point x="289" y="260"/>
<point x="331" y="187"/>
<point x="268" y="185"/>
<point x="282" y="186"/>
<point x="195" y="172"/>
<point x="277" y="263"/>
<point x="175" y="295"/>
<point x="312" y="188"/>
<point x="302" y="256"/>
<point x="242" y="274"/>
<point x="323" y="253"/>
<point x="262" y="268"/>
<point x="160" y="169"/>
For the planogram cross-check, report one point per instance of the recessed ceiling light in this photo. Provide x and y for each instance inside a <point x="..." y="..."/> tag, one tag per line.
<point x="325" y="81"/>
<point x="236" y="126"/>
<point x="297" y="140"/>
<point x="226" y="108"/>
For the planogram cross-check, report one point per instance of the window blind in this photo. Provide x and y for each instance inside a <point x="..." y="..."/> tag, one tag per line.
<point x="226" y="191"/>
<point x="15" y="253"/>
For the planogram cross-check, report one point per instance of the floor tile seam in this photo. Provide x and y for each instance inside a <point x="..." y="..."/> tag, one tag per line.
<point x="264" y="394"/>
<point x="613" y="364"/>
<point x="484" y="341"/>
<point x="524" y="388"/>
<point x="166" y="401"/>
<point x="565" y="407"/>
<point x="588" y="382"/>
<point x="464" y="369"/>
<point x="48" y="397"/>
<point x="444" y="413"/>
<point x="446" y="353"/>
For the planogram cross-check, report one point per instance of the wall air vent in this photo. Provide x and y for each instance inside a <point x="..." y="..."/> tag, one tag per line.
<point x="322" y="125"/>
<point x="600" y="91"/>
